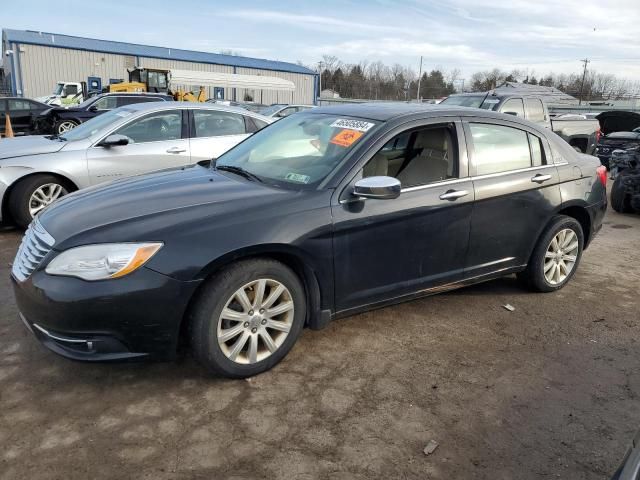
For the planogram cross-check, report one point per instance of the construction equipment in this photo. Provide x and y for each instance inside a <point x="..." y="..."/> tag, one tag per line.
<point x="174" y="82"/>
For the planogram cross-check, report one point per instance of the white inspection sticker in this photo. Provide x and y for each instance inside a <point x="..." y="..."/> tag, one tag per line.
<point x="359" y="125"/>
<point x="297" y="177"/>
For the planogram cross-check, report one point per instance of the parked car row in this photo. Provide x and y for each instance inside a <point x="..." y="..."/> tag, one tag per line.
<point x="30" y="117"/>
<point x="322" y="214"/>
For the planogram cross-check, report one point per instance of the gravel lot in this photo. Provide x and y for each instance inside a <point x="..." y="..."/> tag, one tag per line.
<point x="550" y="390"/>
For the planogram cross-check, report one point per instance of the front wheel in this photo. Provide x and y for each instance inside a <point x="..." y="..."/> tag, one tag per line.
<point x="247" y="318"/>
<point x="63" y="126"/>
<point x="556" y="256"/>
<point x="33" y="194"/>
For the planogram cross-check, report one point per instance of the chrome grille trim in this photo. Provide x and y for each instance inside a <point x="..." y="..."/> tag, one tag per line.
<point x="36" y="244"/>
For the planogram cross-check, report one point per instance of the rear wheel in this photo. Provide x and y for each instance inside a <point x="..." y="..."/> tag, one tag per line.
<point x="247" y="318"/>
<point x="620" y="199"/>
<point x="63" y="126"/>
<point x="32" y="195"/>
<point x="556" y="256"/>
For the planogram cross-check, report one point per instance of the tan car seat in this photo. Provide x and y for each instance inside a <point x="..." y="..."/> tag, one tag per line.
<point x="432" y="162"/>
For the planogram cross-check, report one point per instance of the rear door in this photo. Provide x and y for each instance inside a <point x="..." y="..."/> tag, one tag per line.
<point x="20" y="112"/>
<point x="213" y="132"/>
<point x="157" y="141"/>
<point x="3" y="107"/>
<point x="516" y="192"/>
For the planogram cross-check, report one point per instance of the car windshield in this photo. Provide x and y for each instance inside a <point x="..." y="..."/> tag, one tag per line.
<point x="93" y="126"/>
<point x="298" y="151"/>
<point x="271" y="110"/>
<point x="87" y="102"/>
<point x="58" y="90"/>
<point x="475" y="101"/>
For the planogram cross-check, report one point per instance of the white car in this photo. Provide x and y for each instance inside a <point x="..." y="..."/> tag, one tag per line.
<point x="138" y="138"/>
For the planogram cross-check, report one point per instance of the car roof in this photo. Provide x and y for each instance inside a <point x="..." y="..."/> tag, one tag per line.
<point x="385" y="111"/>
<point x="151" y="106"/>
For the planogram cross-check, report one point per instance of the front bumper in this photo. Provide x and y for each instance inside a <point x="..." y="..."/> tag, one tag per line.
<point x="128" y="318"/>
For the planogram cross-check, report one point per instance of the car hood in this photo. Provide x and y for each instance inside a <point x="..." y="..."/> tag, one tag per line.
<point x="156" y="202"/>
<point x="618" y="121"/>
<point x="28" y="145"/>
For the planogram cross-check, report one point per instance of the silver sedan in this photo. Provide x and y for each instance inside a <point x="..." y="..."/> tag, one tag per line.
<point x="139" y="138"/>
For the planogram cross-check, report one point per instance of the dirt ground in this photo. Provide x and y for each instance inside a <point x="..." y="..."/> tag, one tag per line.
<point x="550" y="390"/>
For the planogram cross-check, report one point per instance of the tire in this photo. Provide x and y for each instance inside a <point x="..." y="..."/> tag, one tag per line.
<point x="21" y="199"/>
<point x="63" y="126"/>
<point x="534" y="275"/>
<point x="620" y="200"/>
<point x="207" y="321"/>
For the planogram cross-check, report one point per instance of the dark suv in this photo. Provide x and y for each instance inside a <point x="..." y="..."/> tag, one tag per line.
<point x="59" y="120"/>
<point x="322" y="214"/>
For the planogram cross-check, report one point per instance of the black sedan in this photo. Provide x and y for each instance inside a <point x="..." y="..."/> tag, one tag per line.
<point x="58" y="120"/>
<point x="323" y="214"/>
<point x="22" y="112"/>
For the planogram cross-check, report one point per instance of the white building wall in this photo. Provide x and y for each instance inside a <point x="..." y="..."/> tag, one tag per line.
<point x="42" y="67"/>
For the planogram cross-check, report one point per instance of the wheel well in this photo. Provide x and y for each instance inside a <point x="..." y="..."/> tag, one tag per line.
<point x="581" y="215"/>
<point x="304" y="273"/>
<point x="71" y="187"/>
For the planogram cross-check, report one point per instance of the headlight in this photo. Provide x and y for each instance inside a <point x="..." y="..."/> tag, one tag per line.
<point x="102" y="261"/>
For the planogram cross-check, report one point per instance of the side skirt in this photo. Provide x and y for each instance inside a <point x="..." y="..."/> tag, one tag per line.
<point x="429" y="291"/>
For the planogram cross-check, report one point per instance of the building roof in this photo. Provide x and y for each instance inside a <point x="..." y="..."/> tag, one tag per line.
<point x="121" y="48"/>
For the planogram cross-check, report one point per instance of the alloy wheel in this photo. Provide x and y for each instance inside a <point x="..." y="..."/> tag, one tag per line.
<point x="45" y="195"/>
<point x="65" y="127"/>
<point x="561" y="256"/>
<point x="255" y="321"/>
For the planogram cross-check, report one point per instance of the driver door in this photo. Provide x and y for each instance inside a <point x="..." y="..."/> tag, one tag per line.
<point x="156" y="141"/>
<point x="387" y="249"/>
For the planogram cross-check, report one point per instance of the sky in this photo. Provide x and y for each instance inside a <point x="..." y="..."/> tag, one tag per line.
<point x="535" y="36"/>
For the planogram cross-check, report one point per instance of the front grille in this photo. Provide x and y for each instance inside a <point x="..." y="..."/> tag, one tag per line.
<point x="35" y="245"/>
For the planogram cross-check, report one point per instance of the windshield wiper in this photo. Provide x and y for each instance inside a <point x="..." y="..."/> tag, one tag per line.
<point x="240" y="171"/>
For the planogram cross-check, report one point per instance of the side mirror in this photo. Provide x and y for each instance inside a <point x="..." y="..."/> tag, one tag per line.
<point x="381" y="188"/>
<point x="93" y="108"/>
<point x="114" y="140"/>
<point x="515" y="114"/>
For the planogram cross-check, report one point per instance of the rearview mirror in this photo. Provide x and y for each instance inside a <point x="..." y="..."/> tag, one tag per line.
<point x="381" y="188"/>
<point x="114" y="140"/>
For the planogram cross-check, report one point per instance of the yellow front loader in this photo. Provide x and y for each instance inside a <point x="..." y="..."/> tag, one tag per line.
<point x="156" y="81"/>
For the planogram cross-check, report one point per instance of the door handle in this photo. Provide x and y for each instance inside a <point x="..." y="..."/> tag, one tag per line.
<point x="453" y="194"/>
<point x="176" y="150"/>
<point x="540" y="178"/>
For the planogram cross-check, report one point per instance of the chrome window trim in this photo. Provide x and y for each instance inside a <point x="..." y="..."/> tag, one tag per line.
<point x="435" y="184"/>
<point x="509" y="172"/>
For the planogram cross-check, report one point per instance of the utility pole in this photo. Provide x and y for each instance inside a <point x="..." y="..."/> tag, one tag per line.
<point x="584" y="75"/>
<point x="419" y="78"/>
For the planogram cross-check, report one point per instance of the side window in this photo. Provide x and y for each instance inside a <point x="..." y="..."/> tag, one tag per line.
<point x="535" y="110"/>
<point x="537" y="151"/>
<point x="106" y="103"/>
<point x="513" y="105"/>
<point x="253" y="124"/>
<point x="155" y="127"/>
<point x="497" y="148"/>
<point x="417" y="157"/>
<point x="286" y="112"/>
<point x="71" y="90"/>
<point x="16" y="104"/>
<point x="128" y="100"/>
<point x="3" y="106"/>
<point x="212" y="123"/>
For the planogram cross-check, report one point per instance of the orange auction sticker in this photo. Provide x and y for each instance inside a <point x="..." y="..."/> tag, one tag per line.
<point x="345" y="138"/>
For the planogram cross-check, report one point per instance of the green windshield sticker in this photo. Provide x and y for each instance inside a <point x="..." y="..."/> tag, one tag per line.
<point x="297" y="177"/>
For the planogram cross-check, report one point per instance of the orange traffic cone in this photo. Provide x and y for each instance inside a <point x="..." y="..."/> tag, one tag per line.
<point x="8" y="131"/>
